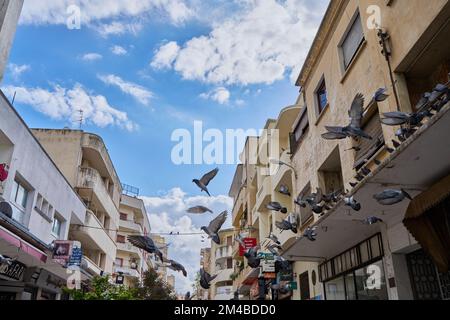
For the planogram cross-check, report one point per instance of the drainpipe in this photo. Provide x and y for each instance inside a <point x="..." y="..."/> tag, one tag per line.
<point x="386" y="52"/>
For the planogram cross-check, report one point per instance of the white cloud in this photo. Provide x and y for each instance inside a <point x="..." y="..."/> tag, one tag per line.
<point x="220" y="95"/>
<point x="119" y="50"/>
<point x="165" y="55"/>
<point x="96" y="13"/>
<point x="17" y="70"/>
<point x="260" y="45"/>
<point x="117" y="28"/>
<point x="168" y="214"/>
<point x="64" y="104"/>
<point x="138" y="92"/>
<point x="91" y="57"/>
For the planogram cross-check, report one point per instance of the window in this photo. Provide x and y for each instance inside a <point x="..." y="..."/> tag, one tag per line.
<point x="123" y="216"/>
<point x="322" y="99"/>
<point x="229" y="241"/>
<point x="119" y="262"/>
<point x="300" y="131"/>
<point x="56" y="227"/>
<point x="120" y="239"/>
<point x="352" y="41"/>
<point x="229" y="263"/>
<point x="43" y="206"/>
<point x="20" y="194"/>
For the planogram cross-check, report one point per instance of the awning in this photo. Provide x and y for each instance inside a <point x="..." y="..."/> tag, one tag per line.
<point x="428" y="220"/>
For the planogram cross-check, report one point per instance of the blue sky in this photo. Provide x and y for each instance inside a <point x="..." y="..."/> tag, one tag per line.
<point x="141" y="69"/>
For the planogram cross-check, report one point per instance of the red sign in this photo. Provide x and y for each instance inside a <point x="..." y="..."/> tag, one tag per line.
<point x="249" y="243"/>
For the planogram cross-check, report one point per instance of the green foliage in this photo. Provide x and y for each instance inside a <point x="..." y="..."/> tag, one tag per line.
<point x="100" y="288"/>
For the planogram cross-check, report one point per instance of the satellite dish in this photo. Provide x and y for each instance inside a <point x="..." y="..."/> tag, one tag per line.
<point x="6" y="209"/>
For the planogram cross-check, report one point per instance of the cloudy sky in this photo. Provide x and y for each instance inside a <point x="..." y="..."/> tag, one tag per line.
<point x="140" y="69"/>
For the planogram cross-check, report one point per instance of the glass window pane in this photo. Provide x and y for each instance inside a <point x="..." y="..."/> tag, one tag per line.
<point x="335" y="289"/>
<point x="364" y="252"/>
<point x="374" y="245"/>
<point x="352" y="41"/>
<point x="370" y="282"/>
<point x="350" y="286"/>
<point x="21" y="197"/>
<point x="353" y="258"/>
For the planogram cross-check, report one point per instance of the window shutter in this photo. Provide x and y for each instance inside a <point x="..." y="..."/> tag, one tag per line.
<point x="352" y="41"/>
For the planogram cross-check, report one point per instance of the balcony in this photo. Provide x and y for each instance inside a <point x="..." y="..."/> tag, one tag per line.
<point x="264" y="193"/>
<point x="284" y="173"/>
<point x="224" y="252"/>
<point x="239" y="206"/>
<point x="128" y="247"/>
<point x="223" y="276"/>
<point x="127" y="271"/>
<point x="224" y="293"/>
<point x="93" y="235"/>
<point x="90" y="182"/>
<point x="91" y="267"/>
<point x="131" y="225"/>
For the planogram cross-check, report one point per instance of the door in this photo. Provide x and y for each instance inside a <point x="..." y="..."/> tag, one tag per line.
<point x="304" y="286"/>
<point x="424" y="276"/>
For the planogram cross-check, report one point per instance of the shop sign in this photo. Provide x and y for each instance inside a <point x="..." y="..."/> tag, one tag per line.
<point x="293" y="285"/>
<point x="268" y="266"/>
<point x="76" y="257"/>
<point x="249" y="243"/>
<point x="67" y="253"/>
<point x="13" y="271"/>
<point x="270" y="275"/>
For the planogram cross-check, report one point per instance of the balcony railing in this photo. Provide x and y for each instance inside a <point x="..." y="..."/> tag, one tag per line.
<point x="127" y="270"/>
<point x="131" y="225"/>
<point x="129" y="248"/>
<point x="224" y="252"/>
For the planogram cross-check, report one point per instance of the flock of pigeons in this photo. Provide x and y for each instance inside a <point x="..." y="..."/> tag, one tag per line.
<point x="212" y="231"/>
<point x="429" y="104"/>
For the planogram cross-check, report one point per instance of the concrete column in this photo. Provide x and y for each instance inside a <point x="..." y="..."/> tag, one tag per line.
<point x="9" y="16"/>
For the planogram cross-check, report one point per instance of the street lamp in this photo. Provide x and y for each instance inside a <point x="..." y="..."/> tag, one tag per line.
<point x="282" y="163"/>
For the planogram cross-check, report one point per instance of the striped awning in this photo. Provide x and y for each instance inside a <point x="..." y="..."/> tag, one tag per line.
<point x="428" y="220"/>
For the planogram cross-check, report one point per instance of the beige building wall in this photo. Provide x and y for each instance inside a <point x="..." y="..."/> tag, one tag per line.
<point x="221" y="264"/>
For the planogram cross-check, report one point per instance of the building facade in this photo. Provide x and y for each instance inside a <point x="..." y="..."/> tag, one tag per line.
<point x="205" y="263"/>
<point x="84" y="160"/>
<point x="9" y="16"/>
<point x="351" y="259"/>
<point x="131" y="263"/>
<point x="38" y="206"/>
<point x="221" y="264"/>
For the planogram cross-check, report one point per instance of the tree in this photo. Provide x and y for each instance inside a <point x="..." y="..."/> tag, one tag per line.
<point x="154" y="288"/>
<point x="102" y="289"/>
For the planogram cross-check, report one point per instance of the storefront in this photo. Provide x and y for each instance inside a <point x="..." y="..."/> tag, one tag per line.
<point x="356" y="274"/>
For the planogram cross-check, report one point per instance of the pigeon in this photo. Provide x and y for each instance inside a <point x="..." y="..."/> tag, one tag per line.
<point x="285" y="225"/>
<point x="274" y="239"/>
<point x="365" y="171"/>
<point x="300" y="202"/>
<point x="359" y="177"/>
<point x="351" y="202"/>
<point x="353" y="185"/>
<point x="175" y="266"/>
<point x="372" y="220"/>
<point x="353" y="130"/>
<point x="199" y="210"/>
<point x="214" y="227"/>
<point x="5" y="260"/>
<point x="423" y="102"/>
<point x="395" y="143"/>
<point x="205" y="180"/>
<point x="390" y="197"/>
<point x="276" y="206"/>
<point x="380" y="95"/>
<point x="147" y="244"/>
<point x="284" y="190"/>
<point x="404" y="133"/>
<point x="252" y="257"/>
<point x="274" y="248"/>
<point x="398" y="118"/>
<point x="377" y="162"/>
<point x="310" y="233"/>
<point x="205" y="279"/>
<point x="438" y="92"/>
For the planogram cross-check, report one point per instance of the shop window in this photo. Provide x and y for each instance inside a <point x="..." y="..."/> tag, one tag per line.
<point x="370" y="282"/>
<point x="352" y="41"/>
<point x="350" y="287"/>
<point x="335" y="289"/>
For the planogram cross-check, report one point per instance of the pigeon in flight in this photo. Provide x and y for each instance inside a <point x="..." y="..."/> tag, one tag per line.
<point x="286" y="225"/>
<point x="252" y="257"/>
<point x="205" y="279"/>
<point x="311" y="233"/>
<point x="199" y="210"/>
<point x="205" y="180"/>
<point x="5" y="260"/>
<point x="276" y="206"/>
<point x="353" y="130"/>
<point x="398" y="118"/>
<point x="380" y="95"/>
<point x="175" y="266"/>
<point x="147" y="244"/>
<point x="390" y="197"/>
<point x="284" y="190"/>
<point x="351" y="202"/>
<point x="214" y="226"/>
